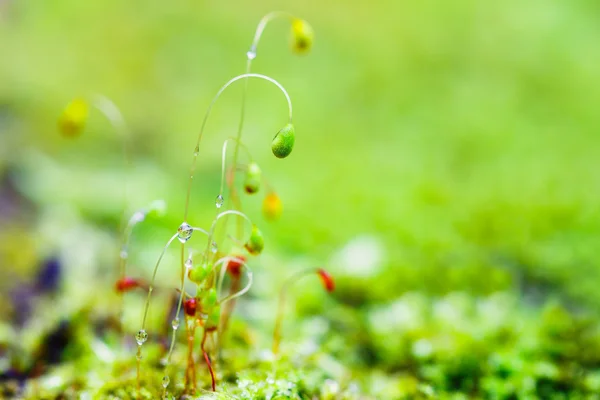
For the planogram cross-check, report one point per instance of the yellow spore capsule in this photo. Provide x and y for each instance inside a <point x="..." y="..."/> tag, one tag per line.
<point x="72" y="121"/>
<point x="272" y="206"/>
<point x="302" y="36"/>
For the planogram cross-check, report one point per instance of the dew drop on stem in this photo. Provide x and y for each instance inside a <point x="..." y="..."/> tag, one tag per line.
<point x="219" y="201"/>
<point x="184" y="232"/>
<point x="165" y="381"/>
<point x="214" y="247"/>
<point x="175" y="323"/>
<point x="141" y="337"/>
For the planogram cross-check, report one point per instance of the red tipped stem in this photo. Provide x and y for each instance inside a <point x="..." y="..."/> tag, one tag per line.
<point x="208" y="363"/>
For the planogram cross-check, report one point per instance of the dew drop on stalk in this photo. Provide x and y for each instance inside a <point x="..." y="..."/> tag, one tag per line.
<point x="184" y="232"/>
<point x="196" y="150"/>
<point x="214" y="247"/>
<point x="175" y="323"/>
<point x="188" y="264"/>
<point x="141" y="337"/>
<point x="251" y="54"/>
<point x="165" y="381"/>
<point x="219" y="201"/>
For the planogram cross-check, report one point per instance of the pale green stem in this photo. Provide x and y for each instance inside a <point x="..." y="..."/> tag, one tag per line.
<point x="151" y="287"/>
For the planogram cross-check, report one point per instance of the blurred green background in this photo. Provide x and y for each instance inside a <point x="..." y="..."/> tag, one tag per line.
<point x="442" y="146"/>
<point x="460" y="134"/>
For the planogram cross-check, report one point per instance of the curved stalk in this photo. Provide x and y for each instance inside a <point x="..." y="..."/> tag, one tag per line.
<point x="327" y="282"/>
<point x="219" y="216"/>
<point x="197" y="147"/>
<point x="251" y="55"/>
<point x="224" y="261"/>
<point x="243" y="290"/>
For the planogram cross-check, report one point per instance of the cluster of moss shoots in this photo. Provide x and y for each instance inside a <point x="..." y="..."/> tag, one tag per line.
<point x="209" y="308"/>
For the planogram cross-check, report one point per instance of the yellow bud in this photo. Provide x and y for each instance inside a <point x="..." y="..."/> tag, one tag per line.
<point x="272" y="206"/>
<point x="302" y="36"/>
<point x="73" y="119"/>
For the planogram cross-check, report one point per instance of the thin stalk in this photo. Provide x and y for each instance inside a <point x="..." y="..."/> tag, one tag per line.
<point x="251" y="55"/>
<point x="151" y="287"/>
<point x="285" y="288"/>
<point x="197" y="147"/>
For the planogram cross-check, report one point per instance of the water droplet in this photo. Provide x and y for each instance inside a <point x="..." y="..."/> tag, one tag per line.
<point x="138" y="356"/>
<point x="188" y="264"/>
<point x="219" y="201"/>
<point x="124" y="255"/>
<point x="165" y="381"/>
<point x="196" y="150"/>
<point x="184" y="232"/>
<point x="141" y="337"/>
<point x="251" y="54"/>
<point x="213" y="247"/>
<point x="175" y="323"/>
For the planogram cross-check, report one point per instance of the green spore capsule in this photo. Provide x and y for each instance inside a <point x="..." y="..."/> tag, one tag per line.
<point x="212" y="322"/>
<point x="283" y="142"/>
<point x="199" y="273"/>
<point x="256" y="243"/>
<point x="210" y="300"/>
<point x="253" y="178"/>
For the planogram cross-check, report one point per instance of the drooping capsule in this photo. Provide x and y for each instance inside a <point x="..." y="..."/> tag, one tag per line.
<point x="256" y="242"/>
<point x="209" y="300"/>
<point x="212" y="322"/>
<point x="283" y="142"/>
<point x="302" y="36"/>
<point x="272" y="206"/>
<point x="73" y="118"/>
<point x="234" y="266"/>
<point x="253" y="178"/>
<point x="190" y="306"/>
<point x="199" y="273"/>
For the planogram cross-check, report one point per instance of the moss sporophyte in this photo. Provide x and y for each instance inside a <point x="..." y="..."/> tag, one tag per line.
<point x="206" y="265"/>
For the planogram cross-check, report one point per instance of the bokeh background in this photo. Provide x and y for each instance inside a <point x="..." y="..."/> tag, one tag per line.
<point x="446" y="154"/>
